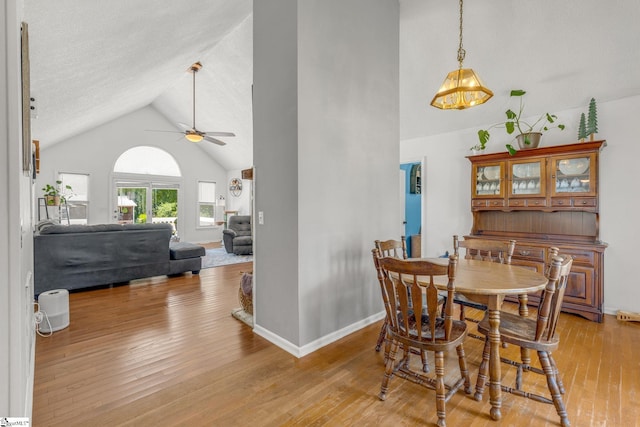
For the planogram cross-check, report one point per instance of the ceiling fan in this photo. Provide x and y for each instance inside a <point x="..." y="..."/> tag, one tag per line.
<point x="191" y="133"/>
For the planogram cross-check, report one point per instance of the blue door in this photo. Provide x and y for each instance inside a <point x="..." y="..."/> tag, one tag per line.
<point x="413" y="200"/>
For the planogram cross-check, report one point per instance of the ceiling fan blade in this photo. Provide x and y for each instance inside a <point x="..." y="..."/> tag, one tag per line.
<point x="168" y="131"/>
<point x="183" y="126"/>
<point x="215" y="141"/>
<point x="220" y="133"/>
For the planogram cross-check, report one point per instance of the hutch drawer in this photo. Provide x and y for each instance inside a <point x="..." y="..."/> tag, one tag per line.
<point x="576" y="202"/>
<point x="532" y="202"/>
<point x="529" y="252"/>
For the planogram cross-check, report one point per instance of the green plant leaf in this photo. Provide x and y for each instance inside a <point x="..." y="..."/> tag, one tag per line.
<point x="512" y="150"/>
<point x="551" y="118"/>
<point x="510" y="115"/>
<point x="510" y="126"/>
<point x="561" y="127"/>
<point x="517" y="92"/>
<point x="483" y="137"/>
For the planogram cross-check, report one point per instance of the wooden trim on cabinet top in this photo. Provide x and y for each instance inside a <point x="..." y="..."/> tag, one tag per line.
<point x="543" y="151"/>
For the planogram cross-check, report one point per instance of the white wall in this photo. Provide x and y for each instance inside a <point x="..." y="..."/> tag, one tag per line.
<point x="275" y="155"/>
<point x="447" y="191"/>
<point x="326" y="132"/>
<point x="17" y="337"/>
<point x="348" y="97"/>
<point x="96" y="151"/>
<point x="241" y="203"/>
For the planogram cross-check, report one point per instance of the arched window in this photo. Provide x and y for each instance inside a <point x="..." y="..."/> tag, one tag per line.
<point x="146" y="181"/>
<point x="147" y="161"/>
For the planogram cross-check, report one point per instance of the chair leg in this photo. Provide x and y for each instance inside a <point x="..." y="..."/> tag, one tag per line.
<point x="463" y="315"/>
<point x="425" y="364"/>
<point x="558" y="377"/>
<point x="464" y="371"/>
<point x="387" y="347"/>
<point x="483" y="370"/>
<point x="388" y="371"/>
<point x="440" y="388"/>
<point x="383" y="333"/>
<point x="550" y="373"/>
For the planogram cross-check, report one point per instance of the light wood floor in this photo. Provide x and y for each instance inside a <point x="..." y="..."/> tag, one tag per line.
<point x="166" y="352"/>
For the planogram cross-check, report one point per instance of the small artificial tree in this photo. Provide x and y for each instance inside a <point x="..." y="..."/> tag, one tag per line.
<point x="592" y="119"/>
<point x="582" y="128"/>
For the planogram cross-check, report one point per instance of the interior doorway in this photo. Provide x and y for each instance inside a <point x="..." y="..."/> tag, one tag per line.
<point x="413" y="207"/>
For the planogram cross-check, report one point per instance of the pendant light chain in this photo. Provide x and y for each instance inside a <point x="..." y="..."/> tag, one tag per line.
<point x="194" y="98"/>
<point x="461" y="51"/>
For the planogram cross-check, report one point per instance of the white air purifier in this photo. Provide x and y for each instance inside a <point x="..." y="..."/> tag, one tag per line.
<point x="54" y="305"/>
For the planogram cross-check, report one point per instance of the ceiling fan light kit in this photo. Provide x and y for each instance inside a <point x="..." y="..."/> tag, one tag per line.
<point x="191" y="133"/>
<point x="193" y="137"/>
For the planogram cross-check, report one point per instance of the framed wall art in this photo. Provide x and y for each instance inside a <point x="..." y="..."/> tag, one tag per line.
<point x="27" y="152"/>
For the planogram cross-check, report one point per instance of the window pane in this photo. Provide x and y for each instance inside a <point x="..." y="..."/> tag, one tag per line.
<point x="206" y="203"/>
<point x="207" y="215"/>
<point x="206" y="192"/>
<point x="77" y="198"/>
<point x="78" y="213"/>
<point x="147" y="160"/>
<point x="132" y="205"/>
<point x="79" y="184"/>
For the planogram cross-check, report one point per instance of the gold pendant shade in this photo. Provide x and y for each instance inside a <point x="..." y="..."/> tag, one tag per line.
<point x="461" y="89"/>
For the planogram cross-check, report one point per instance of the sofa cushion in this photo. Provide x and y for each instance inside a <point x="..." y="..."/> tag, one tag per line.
<point x="147" y="226"/>
<point x="79" y="228"/>
<point x="241" y="224"/>
<point x="49" y="228"/>
<point x="243" y="241"/>
<point x="184" y="250"/>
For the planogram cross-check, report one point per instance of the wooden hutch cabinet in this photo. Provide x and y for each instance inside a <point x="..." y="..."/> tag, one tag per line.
<point x="545" y="197"/>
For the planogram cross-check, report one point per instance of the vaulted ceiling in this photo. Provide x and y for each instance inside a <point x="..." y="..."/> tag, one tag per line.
<point x="93" y="61"/>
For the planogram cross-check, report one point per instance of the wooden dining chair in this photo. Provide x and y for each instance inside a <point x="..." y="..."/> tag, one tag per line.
<point x="537" y="334"/>
<point x="483" y="250"/>
<point x="414" y="322"/>
<point x="394" y="248"/>
<point x="397" y="249"/>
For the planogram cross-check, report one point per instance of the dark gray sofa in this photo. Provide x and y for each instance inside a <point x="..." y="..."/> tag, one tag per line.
<point x="82" y="256"/>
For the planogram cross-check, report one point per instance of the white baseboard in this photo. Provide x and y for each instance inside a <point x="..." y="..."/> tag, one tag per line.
<point x="301" y="351"/>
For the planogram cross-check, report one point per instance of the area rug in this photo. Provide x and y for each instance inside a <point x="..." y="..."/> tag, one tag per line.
<point x="243" y="316"/>
<point x="219" y="256"/>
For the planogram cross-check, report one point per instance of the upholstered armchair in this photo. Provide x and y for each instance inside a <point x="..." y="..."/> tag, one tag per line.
<point x="237" y="237"/>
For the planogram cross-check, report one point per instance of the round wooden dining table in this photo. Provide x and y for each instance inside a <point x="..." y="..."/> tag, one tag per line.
<point x="488" y="283"/>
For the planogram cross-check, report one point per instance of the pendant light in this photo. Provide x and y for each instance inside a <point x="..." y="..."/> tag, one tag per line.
<point x="462" y="88"/>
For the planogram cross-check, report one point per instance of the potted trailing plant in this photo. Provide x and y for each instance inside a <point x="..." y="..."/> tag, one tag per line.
<point x="528" y="134"/>
<point x="53" y="195"/>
